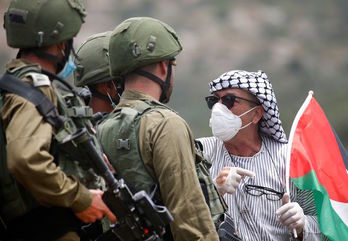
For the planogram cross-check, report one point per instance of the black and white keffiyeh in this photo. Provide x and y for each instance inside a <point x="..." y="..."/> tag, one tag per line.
<point x="256" y="83"/>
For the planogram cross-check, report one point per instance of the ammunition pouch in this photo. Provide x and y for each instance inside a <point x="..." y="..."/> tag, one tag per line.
<point x="68" y="146"/>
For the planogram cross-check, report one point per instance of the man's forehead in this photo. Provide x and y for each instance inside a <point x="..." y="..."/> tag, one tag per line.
<point x="235" y="91"/>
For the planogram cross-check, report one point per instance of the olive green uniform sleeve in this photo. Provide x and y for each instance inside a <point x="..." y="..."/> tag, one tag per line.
<point x="29" y="160"/>
<point x="167" y="148"/>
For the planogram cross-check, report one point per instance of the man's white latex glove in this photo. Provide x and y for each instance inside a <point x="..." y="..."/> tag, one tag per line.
<point x="229" y="178"/>
<point x="291" y="215"/>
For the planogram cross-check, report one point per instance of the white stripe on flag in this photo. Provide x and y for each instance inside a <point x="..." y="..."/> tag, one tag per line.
<point x="341" y="209"/>
<point x="291" y="136"/>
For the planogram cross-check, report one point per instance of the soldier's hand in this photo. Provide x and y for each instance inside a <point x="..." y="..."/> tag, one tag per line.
<point x="97" y="210"/>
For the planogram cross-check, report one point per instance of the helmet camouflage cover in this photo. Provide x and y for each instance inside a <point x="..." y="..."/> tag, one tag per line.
<point x="92" y="65"/>
<point x="141" y="41"/>
<point x="31" y="24"/>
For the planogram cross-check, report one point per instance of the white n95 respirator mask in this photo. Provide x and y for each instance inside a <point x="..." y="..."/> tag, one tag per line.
<point x="224" y="124"/>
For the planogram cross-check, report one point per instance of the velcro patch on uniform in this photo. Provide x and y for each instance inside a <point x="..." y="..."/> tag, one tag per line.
<point x="39" y="79"/>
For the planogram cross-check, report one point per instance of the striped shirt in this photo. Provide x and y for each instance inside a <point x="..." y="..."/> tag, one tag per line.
<point x="254" y="216"/>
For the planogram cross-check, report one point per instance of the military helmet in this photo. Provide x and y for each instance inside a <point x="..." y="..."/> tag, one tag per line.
<point x="141" y="41"/>
<point x="92" y="64"/>
<point x="31" y="24"/>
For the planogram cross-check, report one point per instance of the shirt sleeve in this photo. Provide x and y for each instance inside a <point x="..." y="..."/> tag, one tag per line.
<point x="167" y="148"/>
<point x="29" y="160"/>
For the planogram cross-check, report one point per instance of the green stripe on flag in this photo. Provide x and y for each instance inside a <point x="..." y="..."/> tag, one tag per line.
<point x="330" y="223"/>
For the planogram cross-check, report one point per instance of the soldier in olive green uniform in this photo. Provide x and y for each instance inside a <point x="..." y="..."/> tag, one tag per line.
<point x="142" y="52"/>
<point x="43" y="31"/>
<point x="93" y="75"/>
<point x="92" y="70"/>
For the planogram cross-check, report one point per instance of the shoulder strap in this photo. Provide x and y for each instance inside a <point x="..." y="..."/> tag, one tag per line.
<point x="142" y="107"/>
<point x="199" y="145"/>
<point x="12" y="84"/>
<point x="2" y="136"/>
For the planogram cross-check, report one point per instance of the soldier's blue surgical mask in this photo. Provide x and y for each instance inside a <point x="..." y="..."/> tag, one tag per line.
<point x="68" y="69"/>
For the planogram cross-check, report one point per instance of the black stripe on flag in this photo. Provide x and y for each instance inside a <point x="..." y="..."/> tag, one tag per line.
<point x="342" y="149"/>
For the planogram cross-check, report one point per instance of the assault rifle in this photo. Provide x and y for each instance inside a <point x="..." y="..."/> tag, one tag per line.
<point x="138" y="218"/>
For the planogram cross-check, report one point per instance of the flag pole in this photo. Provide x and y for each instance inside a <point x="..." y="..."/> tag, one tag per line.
<point x="291" y="137"/>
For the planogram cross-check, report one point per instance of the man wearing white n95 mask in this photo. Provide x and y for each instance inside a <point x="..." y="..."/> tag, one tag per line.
<point x="248" y="153"/>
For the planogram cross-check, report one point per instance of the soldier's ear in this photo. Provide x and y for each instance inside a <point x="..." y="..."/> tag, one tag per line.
<point x="62" y="45"/>
<point x="163" y="67"/>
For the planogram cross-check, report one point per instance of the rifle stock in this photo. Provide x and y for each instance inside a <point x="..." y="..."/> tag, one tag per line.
<point x="138" y="218"/>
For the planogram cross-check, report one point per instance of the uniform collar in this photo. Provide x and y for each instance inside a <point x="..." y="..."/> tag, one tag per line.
<point x="136" y="95"/>
<point x="16" y="64"/>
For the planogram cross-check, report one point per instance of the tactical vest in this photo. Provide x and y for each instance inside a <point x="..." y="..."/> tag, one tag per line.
<point x="77" y="116"/>
<point x="119" y="135"/>
<point x="215" y="201"/>
<point x="73" y="115"/>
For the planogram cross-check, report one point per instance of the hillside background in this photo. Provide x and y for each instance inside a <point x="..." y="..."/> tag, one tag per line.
<point x="301" y="45"/>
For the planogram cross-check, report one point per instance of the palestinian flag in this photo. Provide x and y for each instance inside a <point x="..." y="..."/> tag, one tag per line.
<point x="318" y="161"/>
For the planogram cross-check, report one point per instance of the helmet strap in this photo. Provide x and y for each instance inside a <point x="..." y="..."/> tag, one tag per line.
<point x="45" y="55"/>
<point x="106" y="97"/>
<point x="120" y="85"/>
<point x="164" y="85"/>
<point x="53" y="58"/>
<point x="164" y="96"/>
<point x="99" y="95"/>
<point x="66" y="53"/>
